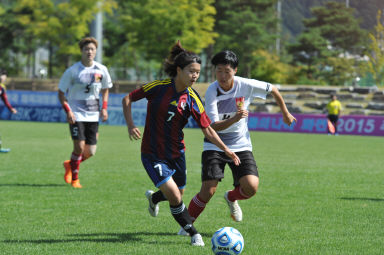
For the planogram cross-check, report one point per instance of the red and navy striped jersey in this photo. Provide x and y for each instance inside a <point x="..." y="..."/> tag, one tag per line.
<point x="4" y="97"/>
<point x="167" y="114"/>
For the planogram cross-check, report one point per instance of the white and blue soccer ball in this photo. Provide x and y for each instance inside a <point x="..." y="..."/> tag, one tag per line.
<point x="227" y="241"/>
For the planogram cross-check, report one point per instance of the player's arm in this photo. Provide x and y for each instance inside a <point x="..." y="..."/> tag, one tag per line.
<point x="212" y="136"/>
<point x="127" y="110"/>
<point x="224" y="124"/>
<point x="104" y="98"/>
<point x="211" y="108"/>
<point x="6" y="102"/>
<point x="287" y="117"/>
<point x="64" y="103"/>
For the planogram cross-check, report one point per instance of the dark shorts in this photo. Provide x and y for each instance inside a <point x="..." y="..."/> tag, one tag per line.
<point x="161" y="170"/>
<point x="84" y="131"/>
<point x="214" y="162"/>
<point x="333" y="118"/>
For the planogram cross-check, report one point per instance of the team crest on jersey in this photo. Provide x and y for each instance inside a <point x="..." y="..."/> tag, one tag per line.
<point x="182" y="103"/>
<point x="98" y="77"/>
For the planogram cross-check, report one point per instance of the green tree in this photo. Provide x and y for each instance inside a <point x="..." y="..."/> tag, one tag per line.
<point x="338" y="70"/>
<point x="338" y="25"/>
<point x="268" y="67"/>
<point x="12" y="42"/>
<point x="245" y="26"/>
<point x="375" y="65"/>
<point x="329" y="47"/>
<point x="151" y="27"/>
<point x="59" y="25"/>
<point x="310" y="48"/>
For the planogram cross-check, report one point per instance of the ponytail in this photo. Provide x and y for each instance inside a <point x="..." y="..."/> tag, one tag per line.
<point x="179" y="57"/>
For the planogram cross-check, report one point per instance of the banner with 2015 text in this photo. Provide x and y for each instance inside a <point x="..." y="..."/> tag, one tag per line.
<point x="45" y="107"/>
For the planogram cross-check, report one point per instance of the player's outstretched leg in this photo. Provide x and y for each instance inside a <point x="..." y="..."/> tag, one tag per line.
<point x="153" y="208"/>
<point x="181" y="215"/>
<point x="234" y="208"/>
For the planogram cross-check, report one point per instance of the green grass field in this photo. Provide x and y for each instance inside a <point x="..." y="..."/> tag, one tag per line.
<point x="318" y="195"/>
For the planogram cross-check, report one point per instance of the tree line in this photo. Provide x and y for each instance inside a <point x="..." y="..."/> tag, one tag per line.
<point x="333" y="47"/>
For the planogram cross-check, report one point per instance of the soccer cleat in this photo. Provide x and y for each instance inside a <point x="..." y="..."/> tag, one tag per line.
<point x="153" y="209"/>
<point x="182" y="232"/>
<point x="234" y="208"/>
<point x="68" y="171"/>
<point x="197" y="240"/>
<point x="76" y="184"/>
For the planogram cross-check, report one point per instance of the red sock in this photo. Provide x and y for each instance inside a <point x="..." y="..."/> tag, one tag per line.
<point x="237" y="194"/>
<point x="83" y="158"/>
<point x="196" y="207"/>
<point x="75" y="165"/>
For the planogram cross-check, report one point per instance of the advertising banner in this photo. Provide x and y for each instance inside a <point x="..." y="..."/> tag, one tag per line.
<point x="317" y="124"/>
<point x="45" y="107"/>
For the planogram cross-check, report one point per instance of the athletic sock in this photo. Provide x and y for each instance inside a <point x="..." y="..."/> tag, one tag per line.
<point x="75" y="165"/>
<point x="181" y="215"/>
<point x="83" y="158"/>
<point x="158" y="196"/>
<point x="237" y="194"/>
<point x="196" y="207"/>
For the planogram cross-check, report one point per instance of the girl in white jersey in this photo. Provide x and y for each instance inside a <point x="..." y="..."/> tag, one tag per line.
<point x="226" y="103"/>
<point x="79" y="90"/>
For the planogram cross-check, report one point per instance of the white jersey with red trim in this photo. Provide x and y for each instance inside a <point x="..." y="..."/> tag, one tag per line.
<point x="221" y="105"/>
<point x="82" y="86"/>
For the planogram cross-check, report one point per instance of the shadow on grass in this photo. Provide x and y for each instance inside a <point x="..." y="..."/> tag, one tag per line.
<point x="100" y="238"/>
<point x="363" y="199"/>
<point x="31" y="185"/>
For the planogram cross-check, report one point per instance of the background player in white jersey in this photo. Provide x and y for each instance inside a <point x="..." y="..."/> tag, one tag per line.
<point x="226" y="103"/>
<point x="79" y="90"/>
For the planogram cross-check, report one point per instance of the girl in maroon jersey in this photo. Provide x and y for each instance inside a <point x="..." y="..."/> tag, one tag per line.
<point x="3" y="95"/>
<point x="170" y="103"/>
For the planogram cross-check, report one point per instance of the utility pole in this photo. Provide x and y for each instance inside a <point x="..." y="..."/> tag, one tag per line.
<point x="97" y="32"/>
<point x="278" y="27"/>
<point x="347" y="3"/>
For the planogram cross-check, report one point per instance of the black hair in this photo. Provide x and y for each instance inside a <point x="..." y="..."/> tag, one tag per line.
<point x="179" y="57"/>
<point x="225" y="57"/>
<point x="3" y="72"/>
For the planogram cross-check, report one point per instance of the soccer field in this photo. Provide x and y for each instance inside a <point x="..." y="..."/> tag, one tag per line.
<point x="318" y="194"/>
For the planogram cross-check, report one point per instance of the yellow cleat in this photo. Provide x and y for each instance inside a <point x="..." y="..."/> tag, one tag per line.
<point x="68" y="171"/>
<point x="76" y="184"/>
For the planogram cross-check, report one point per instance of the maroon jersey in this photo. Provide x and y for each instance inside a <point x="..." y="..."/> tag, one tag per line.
<point x="167" y="114"/>
<point x="4" y="97"/>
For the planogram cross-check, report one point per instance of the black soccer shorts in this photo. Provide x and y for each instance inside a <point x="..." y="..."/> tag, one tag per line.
<point x="213" y="164"/>
<point x="84" y="131"/>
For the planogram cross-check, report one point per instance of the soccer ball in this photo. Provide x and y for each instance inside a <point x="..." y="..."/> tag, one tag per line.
<point x="227" y="241"/>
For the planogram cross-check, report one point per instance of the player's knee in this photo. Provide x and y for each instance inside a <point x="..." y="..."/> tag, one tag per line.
<point x="250" y="189"/>
<point x="92" y="150"/>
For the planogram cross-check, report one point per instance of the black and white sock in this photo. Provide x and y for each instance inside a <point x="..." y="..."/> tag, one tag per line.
<point x="158" y="196"/>
<point x="181" y="215"/>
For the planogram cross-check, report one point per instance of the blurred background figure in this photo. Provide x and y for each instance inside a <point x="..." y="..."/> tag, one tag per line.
<point x="3" y="95"/>
<point x="334" y="110"/>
